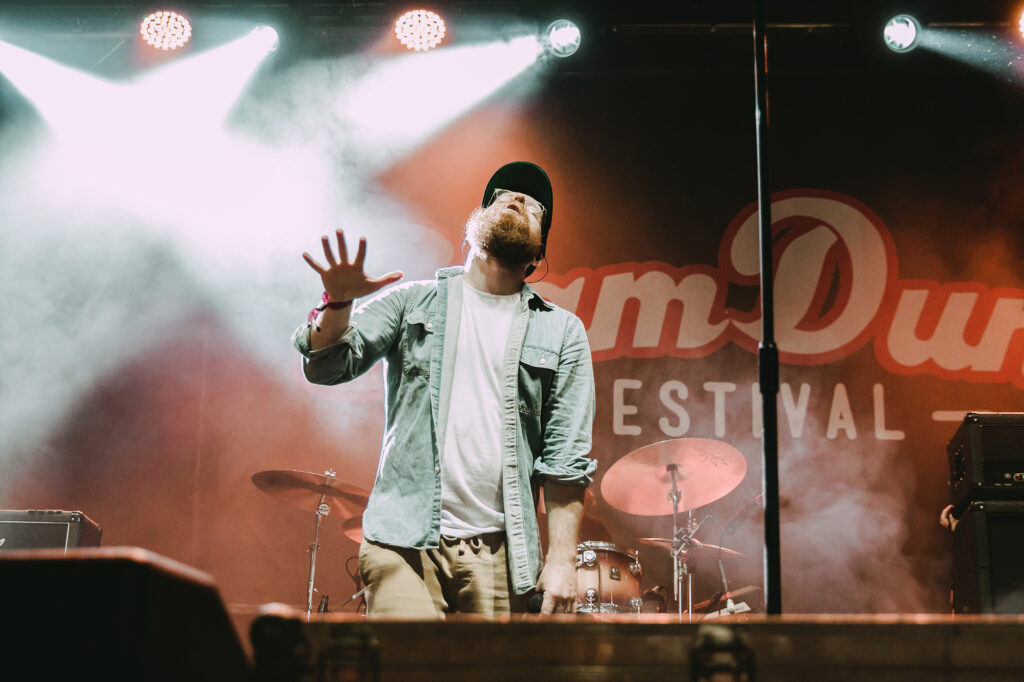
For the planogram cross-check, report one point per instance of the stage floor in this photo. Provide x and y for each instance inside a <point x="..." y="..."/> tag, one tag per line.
<point x="642" y="647"/>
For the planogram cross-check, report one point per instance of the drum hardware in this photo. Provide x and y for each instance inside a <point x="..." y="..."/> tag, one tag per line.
<point x="697" y="471"/>
<point x="322" y="491"/>
<point x="695" y="547"/>
<point x="607" y="578"/>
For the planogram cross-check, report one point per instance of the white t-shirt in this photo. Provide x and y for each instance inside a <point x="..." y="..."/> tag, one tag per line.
<point x="471" y="500"/>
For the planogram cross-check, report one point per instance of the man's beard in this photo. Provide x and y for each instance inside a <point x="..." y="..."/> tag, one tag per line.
<point x="505" y="235"/>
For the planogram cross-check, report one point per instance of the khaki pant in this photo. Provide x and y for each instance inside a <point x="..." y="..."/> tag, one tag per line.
<point x="467" y="575"/>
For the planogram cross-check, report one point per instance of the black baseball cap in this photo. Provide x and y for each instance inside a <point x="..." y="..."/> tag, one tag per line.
<point x="528" y="178"/>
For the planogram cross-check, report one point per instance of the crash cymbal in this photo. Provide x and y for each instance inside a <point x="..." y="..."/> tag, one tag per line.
<point x="639" y="483"/>
<point x="353" y="528"/>
<point x="304" y="490"/>
<point x="694" y="547"/>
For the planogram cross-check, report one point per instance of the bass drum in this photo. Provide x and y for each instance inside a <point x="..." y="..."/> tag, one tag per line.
<point x="607" y="579"/>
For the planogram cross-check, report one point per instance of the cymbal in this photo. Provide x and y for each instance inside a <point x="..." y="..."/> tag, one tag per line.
<point x="352" y="527"/>
<point x="305" y="490"/>
<point x="695" y="547"/>
<point x="639" y="483"/>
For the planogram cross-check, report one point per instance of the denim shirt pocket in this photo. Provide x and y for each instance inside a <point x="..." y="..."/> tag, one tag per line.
<point x="536" y="373"/>
<point x="417" y="344"/>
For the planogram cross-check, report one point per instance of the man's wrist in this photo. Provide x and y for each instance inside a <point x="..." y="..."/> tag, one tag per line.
<point x="334" y="304"/>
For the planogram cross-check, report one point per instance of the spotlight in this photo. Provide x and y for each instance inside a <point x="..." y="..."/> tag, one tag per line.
<point x="1020" y="24"/>
<point x="902" y="33"/>
<point x="420" y="29"/>
<point x="165" y="30"/>
<point x="266" y="38"/>
<point x="562" y="38"/>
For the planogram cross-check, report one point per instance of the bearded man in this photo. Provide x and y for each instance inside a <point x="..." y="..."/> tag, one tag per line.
<point x="489" y="394"/>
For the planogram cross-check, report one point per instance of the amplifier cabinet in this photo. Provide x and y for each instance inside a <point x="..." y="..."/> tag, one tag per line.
<point x="986" y="458"/>
<point x="988" y="558"/>
<point x="47" y="529"/>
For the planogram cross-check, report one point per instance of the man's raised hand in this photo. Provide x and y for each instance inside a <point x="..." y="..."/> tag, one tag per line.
<point x="344" y="281"/>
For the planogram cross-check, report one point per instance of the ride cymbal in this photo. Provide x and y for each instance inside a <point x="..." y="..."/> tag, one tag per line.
<point x="305" y="490"/>
<point x="706" y="470"/>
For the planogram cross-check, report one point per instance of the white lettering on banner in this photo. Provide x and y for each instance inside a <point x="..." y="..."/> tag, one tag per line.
<point x="837" y="266"/>
<point x="878" y="399"/>
<point x="682" y="423"/>
<point x="620" y="409"/>
<point x="796" y="412"/>
<point x="932" y="326"/>
<point x="696" y="291"/>
<point x="840" y="416"/>
<point x="674" y="396"/>
<point x="819" y="235"/>
<point x="719" y="389"/>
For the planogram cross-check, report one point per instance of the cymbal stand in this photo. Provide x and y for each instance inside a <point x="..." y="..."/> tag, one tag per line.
<point x="679" y="567"/>
<point x="322" y="510"/>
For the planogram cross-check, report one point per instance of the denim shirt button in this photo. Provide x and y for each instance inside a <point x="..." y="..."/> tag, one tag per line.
<point x="430" y="325"/>
<point x="437" y="470"/>
<point x="543" y="361"/>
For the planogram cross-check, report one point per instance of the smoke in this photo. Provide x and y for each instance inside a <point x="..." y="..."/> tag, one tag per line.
<point x="844" y="513"/>
<point x="847" y="505"/>
<point x="102" y="254"/>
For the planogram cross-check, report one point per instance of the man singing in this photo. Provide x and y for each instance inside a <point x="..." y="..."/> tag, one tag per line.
<point x="489" y="393"/>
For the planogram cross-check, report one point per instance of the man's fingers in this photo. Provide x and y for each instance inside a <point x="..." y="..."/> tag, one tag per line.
<point x="312" y="263"/>
<point x="342" y="248"/>
<point x="548" y="605"/>
<point x="328" y="254"/>
<point x="554" y="604"/>
<point x="360" y="254"/>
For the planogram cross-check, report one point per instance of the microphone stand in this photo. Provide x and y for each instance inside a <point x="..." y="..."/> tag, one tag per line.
<point x="768" y="352"/>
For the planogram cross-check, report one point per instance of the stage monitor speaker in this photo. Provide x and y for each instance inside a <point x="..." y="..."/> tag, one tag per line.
<point x="119" y="613"/>
<point x="988" y="558"/>
<point x="47" y="528"/>
<point x="986" y="458"/>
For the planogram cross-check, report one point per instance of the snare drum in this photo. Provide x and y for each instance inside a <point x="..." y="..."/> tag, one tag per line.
<point x="607" y="579"/>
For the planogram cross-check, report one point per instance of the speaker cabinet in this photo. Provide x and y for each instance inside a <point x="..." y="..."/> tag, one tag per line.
<point x="117" y="613"/>
<point x="986" y="458"/>
<point x="988" y="558"/>
<point x="44" y="529"/>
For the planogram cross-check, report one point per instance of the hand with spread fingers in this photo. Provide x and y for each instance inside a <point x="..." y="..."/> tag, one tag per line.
<point x="344" y="281"/>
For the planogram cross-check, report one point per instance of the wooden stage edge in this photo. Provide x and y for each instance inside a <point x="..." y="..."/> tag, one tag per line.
<point x="643" y="647"/>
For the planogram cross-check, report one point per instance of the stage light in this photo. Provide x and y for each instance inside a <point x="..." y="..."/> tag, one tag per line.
<point x="420" y="29"/>
<point x="165" y="30"/>
<point x="562" y="38"/>
<point x="266" y="38"/>
<point x="902" y="33"/>
<point x="1020" y="24"/>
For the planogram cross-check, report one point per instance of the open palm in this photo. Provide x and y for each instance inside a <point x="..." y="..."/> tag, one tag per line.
<point x="344" y="281"/>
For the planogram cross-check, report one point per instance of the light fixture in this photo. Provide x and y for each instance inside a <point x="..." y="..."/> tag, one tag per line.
<point x="1020" y="24"/>
<point x="902" y="33"/>
<point x="165" y="30"/>
<point x="266" y="38"/>
<point x="562" y="38"/>
<point x="420" y="29"/>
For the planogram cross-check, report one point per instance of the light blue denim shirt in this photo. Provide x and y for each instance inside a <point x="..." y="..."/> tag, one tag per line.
<point x="547" y="408"/>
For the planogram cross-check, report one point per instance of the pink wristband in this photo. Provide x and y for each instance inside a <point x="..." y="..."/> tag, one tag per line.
<point x="334" y="305"/>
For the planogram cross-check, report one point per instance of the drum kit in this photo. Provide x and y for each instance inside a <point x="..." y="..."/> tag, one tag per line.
<point x="669" y="477"/>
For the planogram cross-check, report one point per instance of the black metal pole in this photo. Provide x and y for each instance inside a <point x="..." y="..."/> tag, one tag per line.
<point x="768" y="353"/>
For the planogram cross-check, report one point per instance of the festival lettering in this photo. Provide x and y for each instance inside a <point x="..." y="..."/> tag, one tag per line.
<point x="837" y="289"/>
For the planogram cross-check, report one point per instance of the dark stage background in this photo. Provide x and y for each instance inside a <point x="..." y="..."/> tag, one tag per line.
<point x="147" y="376"/>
